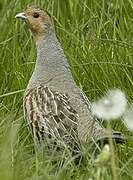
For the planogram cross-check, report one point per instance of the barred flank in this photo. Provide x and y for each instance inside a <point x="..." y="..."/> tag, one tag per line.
<point x="49" y="113"/>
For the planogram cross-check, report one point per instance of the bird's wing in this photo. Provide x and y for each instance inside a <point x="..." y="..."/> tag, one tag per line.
<point x="49" y="112"/>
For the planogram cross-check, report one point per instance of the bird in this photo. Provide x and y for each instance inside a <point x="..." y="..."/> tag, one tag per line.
<point x="54" y="105"/>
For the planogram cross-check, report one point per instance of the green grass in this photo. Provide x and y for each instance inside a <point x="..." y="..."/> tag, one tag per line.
<point x="97" y="37"/>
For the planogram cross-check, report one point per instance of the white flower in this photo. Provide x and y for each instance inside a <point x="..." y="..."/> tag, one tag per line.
<point x="104" y="155"/>
<point x="128" y="117"/>
<point x="106" y="148"/>
<point x="110" y="106"/>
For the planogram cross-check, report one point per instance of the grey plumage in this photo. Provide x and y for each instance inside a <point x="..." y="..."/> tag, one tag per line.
<point x="52" y="71"/>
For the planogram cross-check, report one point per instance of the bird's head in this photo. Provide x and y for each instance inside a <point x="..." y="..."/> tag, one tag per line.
<point x="38" y="20"/>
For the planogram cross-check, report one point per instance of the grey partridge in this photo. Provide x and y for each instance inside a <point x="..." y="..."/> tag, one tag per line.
<point x="54" y="106"/>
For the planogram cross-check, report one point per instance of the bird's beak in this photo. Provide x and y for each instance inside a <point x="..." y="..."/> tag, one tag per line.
<point x="21" y="15"/>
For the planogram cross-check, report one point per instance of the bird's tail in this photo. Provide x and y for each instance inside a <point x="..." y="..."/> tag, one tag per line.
<point x="107" y="134"/>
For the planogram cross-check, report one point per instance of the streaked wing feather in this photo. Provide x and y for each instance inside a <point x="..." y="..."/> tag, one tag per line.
<point x="49" y="113"/>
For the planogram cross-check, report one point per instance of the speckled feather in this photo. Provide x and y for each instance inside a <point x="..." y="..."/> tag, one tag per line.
<point x="49" y="113"/>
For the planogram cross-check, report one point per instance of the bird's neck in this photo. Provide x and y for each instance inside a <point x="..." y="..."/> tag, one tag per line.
<point x="51" y="61"/>
<point x="49" y="52"/>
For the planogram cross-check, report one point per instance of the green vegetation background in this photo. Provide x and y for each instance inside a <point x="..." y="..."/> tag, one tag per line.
<point x="97" y="37"/>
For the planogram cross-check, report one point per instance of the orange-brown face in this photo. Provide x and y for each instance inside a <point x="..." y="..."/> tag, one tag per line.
<point x="38" y="20"/>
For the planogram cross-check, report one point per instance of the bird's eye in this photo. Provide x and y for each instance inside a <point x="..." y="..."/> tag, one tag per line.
<point x="36" y="15"/>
